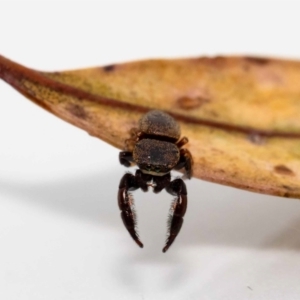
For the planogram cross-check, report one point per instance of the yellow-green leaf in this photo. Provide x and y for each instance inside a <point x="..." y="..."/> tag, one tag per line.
<point x="241" y="114"/>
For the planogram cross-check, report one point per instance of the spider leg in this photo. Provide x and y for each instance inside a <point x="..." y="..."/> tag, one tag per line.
<point x="125" y="201"/>
<point x="176" y="187"/>
<point x="186" y="162"/>
<point x="125" y="158"/>
<point x="182" y="142"/>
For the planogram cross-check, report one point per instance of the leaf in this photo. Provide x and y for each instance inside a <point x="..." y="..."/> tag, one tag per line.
<point x="241" y="114"/>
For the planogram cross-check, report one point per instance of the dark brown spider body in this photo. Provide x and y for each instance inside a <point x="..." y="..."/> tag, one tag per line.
<point x="159" y="124"/>
<point x="156" y="149"/>
<point x="155" y="157"/>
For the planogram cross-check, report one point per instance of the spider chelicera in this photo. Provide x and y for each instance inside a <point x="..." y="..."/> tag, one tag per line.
<point x="155" y="148"/>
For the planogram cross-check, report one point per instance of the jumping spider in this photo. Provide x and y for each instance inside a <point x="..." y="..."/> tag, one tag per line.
<point x="156" y="149"/>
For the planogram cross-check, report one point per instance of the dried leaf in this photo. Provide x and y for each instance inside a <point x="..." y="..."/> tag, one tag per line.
<point x="241" y="114"/>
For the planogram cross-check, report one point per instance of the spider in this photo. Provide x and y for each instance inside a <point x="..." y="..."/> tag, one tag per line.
<point x="155" y="148"/>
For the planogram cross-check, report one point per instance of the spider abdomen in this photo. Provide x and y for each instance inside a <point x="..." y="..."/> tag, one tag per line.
<point x="159" y="123"/>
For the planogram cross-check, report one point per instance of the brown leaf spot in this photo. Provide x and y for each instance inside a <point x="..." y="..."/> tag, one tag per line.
<point x="109" y="68"/>
<point x="283" y="170"/>
<point x="287" y="195"/>
<point x="287" y="192"/>
<point x="77" y="111"/>
<point x="287" y="187"/>
<point x="257" y="60"/>
<point x="256" y="138"/>
<point x="188" y="103"/>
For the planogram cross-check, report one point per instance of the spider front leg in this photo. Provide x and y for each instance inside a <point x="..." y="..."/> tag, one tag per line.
<point x="125" y="201"/>
<point x="176" y="187"/>
<point x="125" y="158"/>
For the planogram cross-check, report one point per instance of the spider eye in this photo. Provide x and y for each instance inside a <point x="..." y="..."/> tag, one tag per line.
<point x="157" y="169"/>
<point x="148" y="168"/>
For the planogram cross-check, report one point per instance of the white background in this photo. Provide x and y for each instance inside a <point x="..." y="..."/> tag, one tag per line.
<point x="61" y="236"/>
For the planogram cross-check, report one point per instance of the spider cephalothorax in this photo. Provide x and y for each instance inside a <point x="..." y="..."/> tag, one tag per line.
<point x="155" y="148"/>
